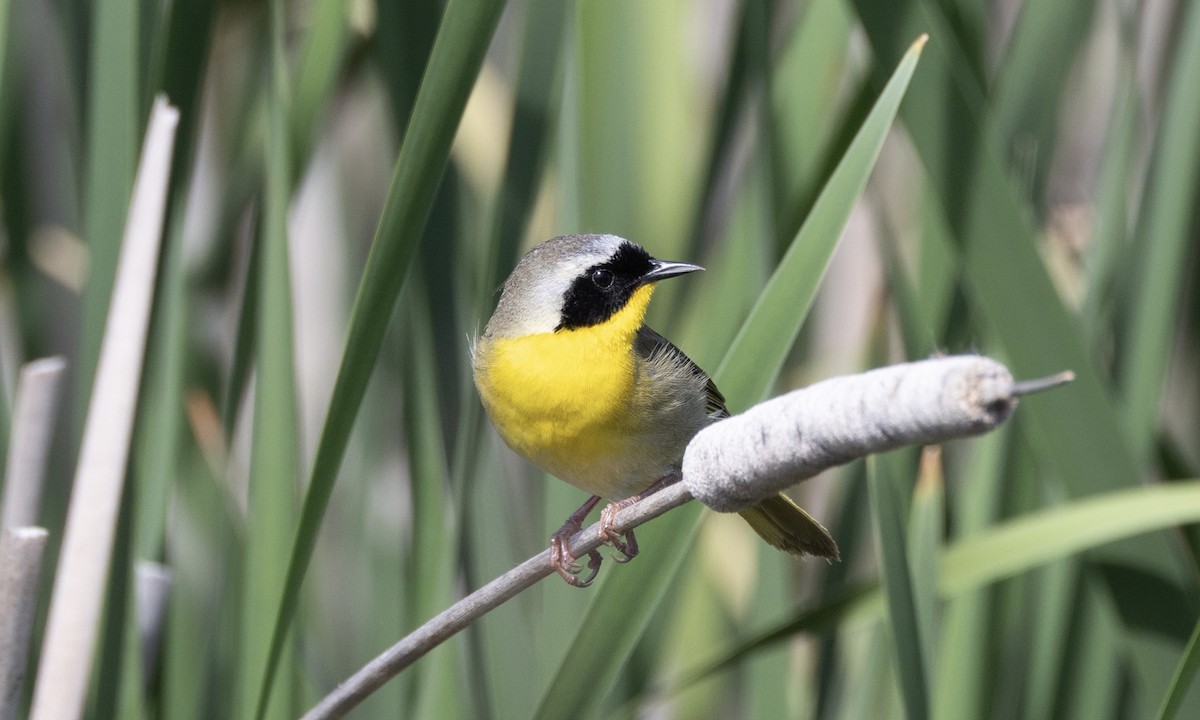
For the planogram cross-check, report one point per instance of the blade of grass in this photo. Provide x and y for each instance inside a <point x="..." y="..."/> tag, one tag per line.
<point x="1164" y="225"/>
<point x="785" y="301"/>
<point x="853" y="534"/>
<point x="665" y="126"/>
<point x="607" y="174"/>
<point x="1091" y="684"/>
<point x="763" y="189"/>
<point x="243" y="188"/>
<point x="1035" y="611"/>
<point x="904" y="623"/>
<point x="872" y="692"/>
<point x="1005" y="277"/>
<point x="161" y="416"/>
<point x="1054" y="587"/>
<point x="808" y="106"/>
<point x="1036" y="64"/>
<point x="274" y="456"/>
<point x="858" y="603"/>
<point x="1110" y="248"/>
<point x="689" y="623"/>
<point x="999" y="553"/>
<point x="966" y="662"/>
<point x="528" y="142"/>
<point x="625" y="600"/>
<point x="457" y="55"/>
<point x="3" y="45"/>
<point x="1008" y="285"/>
<point x="156" y="457"/>
<point x="320" y="65"/>
<point x="206" y="553"/>
<point x="1089" y="522"/>
<point x="926" y="528"/>
<point x="937" y="268"/>
<point x="407" y="29"/>
<point x="113" y="692"/>
<point x="738" y="267"/>
<point x="432" y="559"/>
<point x="1189" y="664"/>
<point x="720" y="146"/>
<point x="112" y="132"/>
<point x="179" y="39"/>
<point x="916" y="330"/>
<point x="245" y="342"/>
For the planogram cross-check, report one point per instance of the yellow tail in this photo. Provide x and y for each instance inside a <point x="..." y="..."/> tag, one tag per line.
<point x="784" y="525"/>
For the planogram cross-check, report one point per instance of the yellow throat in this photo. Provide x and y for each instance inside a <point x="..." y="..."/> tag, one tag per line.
<point x="562" y="399"/>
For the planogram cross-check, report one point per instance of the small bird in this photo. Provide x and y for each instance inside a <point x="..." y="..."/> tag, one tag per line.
<point x="576" y="383"/>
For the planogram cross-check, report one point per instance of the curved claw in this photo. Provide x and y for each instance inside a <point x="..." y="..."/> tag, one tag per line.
<point x="628" y="547"/>
<point x="594" y="561"/>
<point x="564" y="563"/>
<point x="561" y="558"/>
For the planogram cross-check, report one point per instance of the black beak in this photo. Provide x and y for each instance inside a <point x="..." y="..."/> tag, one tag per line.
<point x="663" y="269"/>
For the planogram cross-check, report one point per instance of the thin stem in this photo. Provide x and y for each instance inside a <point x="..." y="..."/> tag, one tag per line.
<point x="474" y="606"/>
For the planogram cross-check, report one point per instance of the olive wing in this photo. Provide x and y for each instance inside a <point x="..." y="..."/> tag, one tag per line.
<point x="650" y="342"/>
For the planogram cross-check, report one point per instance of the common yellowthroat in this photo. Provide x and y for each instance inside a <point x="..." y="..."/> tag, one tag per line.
<point x="575" y="383"/>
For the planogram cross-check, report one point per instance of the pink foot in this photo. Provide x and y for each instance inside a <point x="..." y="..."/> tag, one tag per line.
<point x="561" y="558"/>
<point x="625" y="542"/>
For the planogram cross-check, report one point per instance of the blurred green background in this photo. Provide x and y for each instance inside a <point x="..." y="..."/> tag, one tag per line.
<point x="336" y="232"/>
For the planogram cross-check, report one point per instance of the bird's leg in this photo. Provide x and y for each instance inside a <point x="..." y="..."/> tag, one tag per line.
<point x="561" y="558"/>
<point x="625" y="543"/>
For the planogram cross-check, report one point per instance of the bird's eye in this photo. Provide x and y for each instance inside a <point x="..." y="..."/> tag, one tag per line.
<point x="602" y="278"/>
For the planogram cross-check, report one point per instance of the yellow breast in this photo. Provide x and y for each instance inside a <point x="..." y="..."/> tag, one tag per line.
<point x="563" y="400"/>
